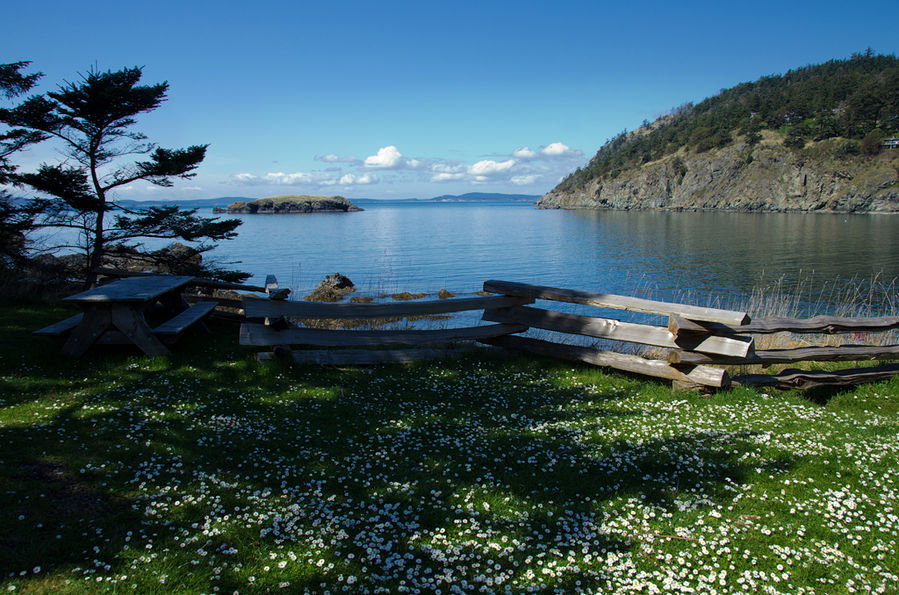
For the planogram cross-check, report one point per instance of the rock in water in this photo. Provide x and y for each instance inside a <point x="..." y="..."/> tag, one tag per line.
<point x="336" y="281"/>
<point x="332" y="289"/>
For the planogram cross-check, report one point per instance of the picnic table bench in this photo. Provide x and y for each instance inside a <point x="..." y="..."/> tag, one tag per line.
<point x="115" y="314"/>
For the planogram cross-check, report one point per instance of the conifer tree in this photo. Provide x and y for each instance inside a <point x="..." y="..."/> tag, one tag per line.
<point x="16" y="218"/>
<point x="93" y="119"/>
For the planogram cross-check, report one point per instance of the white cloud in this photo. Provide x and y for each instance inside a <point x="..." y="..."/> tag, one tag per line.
<point x="354" y="179"/>
<point x="315" y="178"/>
<point x="334" y="158"/>
<point x="282" y="178"/>
<point x="558" y="150"/>
<point x="446" y="177"/>
<point x="524" y="153"/>
<point x="488" y="167"/>
<point x="387" y="157"/>
<point x="523" y="167"/>
<point x="448" y="168"/>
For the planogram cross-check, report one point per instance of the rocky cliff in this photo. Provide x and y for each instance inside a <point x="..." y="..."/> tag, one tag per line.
<point x="763" y="177"/>
<point x="291" y="204"/>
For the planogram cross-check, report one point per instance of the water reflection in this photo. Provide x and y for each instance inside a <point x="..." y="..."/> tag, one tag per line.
<point x="732" y="252"/>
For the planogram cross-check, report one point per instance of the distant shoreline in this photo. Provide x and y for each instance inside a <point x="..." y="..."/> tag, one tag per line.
<point x="225" y="201"/>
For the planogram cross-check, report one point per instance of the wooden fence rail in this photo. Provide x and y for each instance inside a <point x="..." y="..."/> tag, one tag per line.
<point x="681" y="374"/>
<point x="696" y="339"/>
<point x="696" y="342"/>
<point x="429" y="344"/>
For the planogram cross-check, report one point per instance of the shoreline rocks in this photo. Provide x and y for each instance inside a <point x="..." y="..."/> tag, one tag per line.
<point x="763" y="178"/>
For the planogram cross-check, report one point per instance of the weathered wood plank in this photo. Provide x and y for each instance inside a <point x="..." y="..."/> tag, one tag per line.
<point x="60" y="328"/>
<point x="607" y="328"/>
<point x="842" y="353"/>
<point x="679" y="326"/>
<point x="619" y="302"/>
<point x="260" y="308"/>
<point x="826" y="325"/>
<point x="271" y="283"/>
<point x="199" y="281"/>
<point x="365" y="357"/>
<point x="273" y="291"/>
<point x="132" y="289"/>
<point x="260" y="334"/>
<point x="180" y="322"/>
<point x="704" y="375"/>
<point x="822" y="324"/>
<point x="805" y="379"/>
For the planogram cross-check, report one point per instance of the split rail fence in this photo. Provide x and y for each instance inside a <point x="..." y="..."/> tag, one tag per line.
<point x="699" y="342"/>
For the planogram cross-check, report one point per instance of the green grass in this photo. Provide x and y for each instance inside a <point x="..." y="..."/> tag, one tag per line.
<point x="208" y="472"/>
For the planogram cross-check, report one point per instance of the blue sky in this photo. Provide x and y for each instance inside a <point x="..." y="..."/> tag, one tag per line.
<point x="418" y="99"/>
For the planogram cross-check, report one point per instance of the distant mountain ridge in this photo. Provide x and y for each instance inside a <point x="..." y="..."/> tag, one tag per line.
<point x="193" y="203"/>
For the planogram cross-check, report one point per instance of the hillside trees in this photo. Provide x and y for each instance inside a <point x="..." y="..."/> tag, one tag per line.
<point x="93" y="120"/>
<point x="840" y="98"/>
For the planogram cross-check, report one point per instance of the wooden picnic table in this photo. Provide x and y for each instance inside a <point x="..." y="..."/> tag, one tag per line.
<point x="115" y="313"/>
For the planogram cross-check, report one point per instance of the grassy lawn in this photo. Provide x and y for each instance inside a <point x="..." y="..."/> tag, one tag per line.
<point x="208" y="472"/>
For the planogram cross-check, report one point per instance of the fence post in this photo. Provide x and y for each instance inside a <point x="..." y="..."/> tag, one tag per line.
<point x="279" y="323"/>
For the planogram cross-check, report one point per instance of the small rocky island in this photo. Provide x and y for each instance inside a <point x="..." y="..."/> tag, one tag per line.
<point x="291" y="203"/>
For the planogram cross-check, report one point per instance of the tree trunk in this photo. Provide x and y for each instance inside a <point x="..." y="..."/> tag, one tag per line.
<point x="96" y="255"/>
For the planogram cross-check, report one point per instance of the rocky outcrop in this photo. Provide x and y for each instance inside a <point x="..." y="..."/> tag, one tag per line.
<point x="291" y="204"/>
<point x="332" y="289"/>
<point x="764" y="177"/>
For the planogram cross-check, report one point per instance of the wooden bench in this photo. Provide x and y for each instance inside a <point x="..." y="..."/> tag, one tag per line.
<point x="57" y="329"/>
<point x="175" y="326"/>
<point x="180" y="322"/>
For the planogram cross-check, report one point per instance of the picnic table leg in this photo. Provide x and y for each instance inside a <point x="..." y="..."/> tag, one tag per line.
<point x="131" y="322"/>
<point x="94" y="324"/>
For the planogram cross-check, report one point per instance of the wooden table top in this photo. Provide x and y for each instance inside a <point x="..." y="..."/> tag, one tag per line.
<point x="132" y="289"/>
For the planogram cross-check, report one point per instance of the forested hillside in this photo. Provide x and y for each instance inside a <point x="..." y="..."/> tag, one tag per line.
<point x="809" y="140"/>
<point x="855" y="99"/>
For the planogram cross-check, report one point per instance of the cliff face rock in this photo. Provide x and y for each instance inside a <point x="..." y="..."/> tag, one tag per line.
<point x="291" y="204"/>
<point x="764" y="177"/>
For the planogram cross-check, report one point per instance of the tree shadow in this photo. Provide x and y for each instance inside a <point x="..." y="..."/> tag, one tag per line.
<point x="388" y="454"/>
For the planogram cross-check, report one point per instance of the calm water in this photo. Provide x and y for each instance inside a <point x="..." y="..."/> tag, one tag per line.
<point x="391" y="247"/>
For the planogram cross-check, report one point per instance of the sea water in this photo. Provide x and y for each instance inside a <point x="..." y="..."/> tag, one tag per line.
<point x="417" y="247"/>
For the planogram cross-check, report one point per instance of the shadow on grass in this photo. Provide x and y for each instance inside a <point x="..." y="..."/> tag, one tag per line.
<point x="382" y="456"/>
